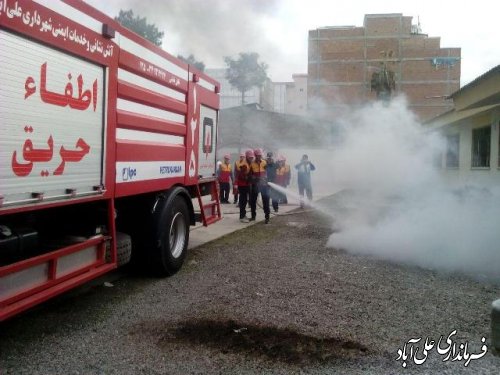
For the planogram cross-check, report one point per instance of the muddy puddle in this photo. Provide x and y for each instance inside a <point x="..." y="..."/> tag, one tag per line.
<point x="260" y="341"/>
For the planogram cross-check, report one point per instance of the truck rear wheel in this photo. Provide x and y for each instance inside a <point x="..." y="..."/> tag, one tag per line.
<point x="171" y="236"/>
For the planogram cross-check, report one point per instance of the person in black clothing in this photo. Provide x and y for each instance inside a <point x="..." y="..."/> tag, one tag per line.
<point x="258" y="178"/>
<point x="242" y="179"/>
<point x="271" y="169"/>
<point x="304" y="169"/>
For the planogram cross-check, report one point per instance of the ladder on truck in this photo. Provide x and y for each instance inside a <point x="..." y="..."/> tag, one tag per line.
<point x="210" y="211"/>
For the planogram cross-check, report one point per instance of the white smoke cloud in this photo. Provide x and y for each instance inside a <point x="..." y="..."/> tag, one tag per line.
<point x="395" y="205"/>
<point x="211" y="30"/>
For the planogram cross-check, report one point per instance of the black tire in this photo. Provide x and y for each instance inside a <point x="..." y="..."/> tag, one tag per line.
<point x="171" y="237"/>
<point x="123" y="249"/>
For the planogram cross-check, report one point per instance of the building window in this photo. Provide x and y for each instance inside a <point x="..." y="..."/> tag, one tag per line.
<point x="437" y="160"/>
<point x="452" y="148"/>
<point x="481" y="139"/>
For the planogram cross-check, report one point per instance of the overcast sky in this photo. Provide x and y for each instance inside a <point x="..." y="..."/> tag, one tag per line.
<point x="278" y="29"/>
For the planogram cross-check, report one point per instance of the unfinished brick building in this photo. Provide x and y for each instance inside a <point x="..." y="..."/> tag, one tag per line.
<point x="343" y="59"/>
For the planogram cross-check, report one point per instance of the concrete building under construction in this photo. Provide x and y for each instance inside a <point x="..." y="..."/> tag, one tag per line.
<point x="346" y="65"/>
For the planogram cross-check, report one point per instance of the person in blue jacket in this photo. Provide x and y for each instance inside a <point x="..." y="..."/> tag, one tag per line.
<point x="304" y="169"/>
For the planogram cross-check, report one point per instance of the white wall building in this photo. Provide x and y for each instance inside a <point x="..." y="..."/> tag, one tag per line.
<point x="230" y="96"/>
<point x="291" y="97"/>
<point x="282" y="97"/>
<point x="279" y="96"/>
<point x="296" y="95"/>
<point x="472" y="131"/>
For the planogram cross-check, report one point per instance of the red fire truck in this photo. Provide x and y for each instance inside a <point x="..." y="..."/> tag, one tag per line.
<point x="105" y="143"/>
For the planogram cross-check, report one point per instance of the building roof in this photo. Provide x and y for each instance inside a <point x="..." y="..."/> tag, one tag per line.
<point x="475" y="82"/>
<point x="480" y="96"/>
<point x="452" y="117"/>
<point x="383" y="15"/>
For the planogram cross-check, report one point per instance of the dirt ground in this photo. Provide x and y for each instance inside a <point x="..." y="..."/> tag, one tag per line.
<point x="269" y="299"/>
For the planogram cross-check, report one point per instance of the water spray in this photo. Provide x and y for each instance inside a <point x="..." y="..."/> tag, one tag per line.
<point x="303" y="200"/>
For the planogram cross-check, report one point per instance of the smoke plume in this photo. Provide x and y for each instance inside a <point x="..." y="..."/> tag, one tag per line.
<point x="395" y="205"/>
<point x="213" y="29"/>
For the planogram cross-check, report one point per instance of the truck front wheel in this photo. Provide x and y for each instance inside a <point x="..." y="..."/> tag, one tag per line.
<point x="171" y="236"/>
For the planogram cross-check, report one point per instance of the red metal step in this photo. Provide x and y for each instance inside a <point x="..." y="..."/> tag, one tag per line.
<point x="212" y="219"/>
<point x="210" y="212"/>
<point x="50" y="274"/>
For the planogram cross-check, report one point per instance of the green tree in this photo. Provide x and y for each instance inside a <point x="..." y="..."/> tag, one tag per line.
<point x="191" y="60"/>
<point x="245" y="72"/>
<point x="140" y="26"/>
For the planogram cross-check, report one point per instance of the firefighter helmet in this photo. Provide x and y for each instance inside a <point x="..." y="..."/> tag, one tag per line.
<point x="258" y="152"/>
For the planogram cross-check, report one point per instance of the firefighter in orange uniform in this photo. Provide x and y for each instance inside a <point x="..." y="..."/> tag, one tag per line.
<point x="280" y="177"/>
<point x="235" y="180"/>
<point x="242" y="179"/>
<point x="283" y="176"/>
<point x="258" y="178"/>
<point x="225" y="176"/>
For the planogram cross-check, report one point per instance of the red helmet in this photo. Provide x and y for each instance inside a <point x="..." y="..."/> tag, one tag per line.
<point x="249" y="154"/>
<point x="242" y="154"/>
<point x="258" y="152"/>
<point x="227" y="156"/>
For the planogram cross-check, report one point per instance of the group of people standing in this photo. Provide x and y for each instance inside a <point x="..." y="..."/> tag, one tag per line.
<point x="250" y="177"/>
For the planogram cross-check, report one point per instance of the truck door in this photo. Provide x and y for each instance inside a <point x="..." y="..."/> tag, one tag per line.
<point x="208" y="134"/>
